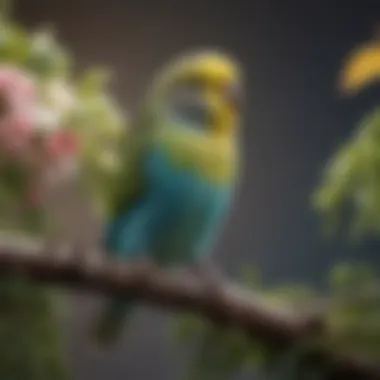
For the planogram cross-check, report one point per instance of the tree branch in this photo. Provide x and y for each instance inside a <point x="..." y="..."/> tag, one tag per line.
<point x="228" y="305"/>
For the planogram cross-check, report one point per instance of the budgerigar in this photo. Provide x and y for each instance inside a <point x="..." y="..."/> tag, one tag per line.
<point x="180" y="169"/>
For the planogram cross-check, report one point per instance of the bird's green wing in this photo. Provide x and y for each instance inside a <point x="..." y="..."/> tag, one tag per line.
<point x="128" y="185"/>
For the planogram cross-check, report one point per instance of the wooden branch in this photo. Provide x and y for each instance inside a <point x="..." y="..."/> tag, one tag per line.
<point x="229" y="305"/>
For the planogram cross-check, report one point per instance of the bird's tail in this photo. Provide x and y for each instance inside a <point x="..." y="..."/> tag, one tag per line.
<point x="112" y="320"/>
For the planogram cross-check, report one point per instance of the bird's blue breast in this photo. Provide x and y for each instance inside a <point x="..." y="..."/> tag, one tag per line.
<point x="178" y="216"/>
<point x="173" y="180"/>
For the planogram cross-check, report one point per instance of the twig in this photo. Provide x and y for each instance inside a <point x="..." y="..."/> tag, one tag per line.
<point x="179" y="291"/>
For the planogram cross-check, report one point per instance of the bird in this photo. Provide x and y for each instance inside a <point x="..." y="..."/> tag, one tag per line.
<point x="180" y="167"/>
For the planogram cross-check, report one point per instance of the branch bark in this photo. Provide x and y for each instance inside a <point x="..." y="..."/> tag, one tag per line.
<point x="181" y="291"/>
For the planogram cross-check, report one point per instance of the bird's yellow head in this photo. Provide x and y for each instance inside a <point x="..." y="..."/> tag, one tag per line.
<point x="202" y="91"/>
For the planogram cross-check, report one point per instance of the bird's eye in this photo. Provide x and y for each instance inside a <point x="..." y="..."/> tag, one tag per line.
<point x="186" y="90"/>
<point x="184" y="94"/>
<point x="187" y="104"/>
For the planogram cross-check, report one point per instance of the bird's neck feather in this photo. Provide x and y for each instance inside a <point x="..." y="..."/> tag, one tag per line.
<point x="211" y="156"/>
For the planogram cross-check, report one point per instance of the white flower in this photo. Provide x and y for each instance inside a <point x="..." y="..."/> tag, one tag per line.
<point x="57" y="97"/>
<point x="55" y="100"/>
<point x="42" y="41"/>
<point x="45" y="118"/>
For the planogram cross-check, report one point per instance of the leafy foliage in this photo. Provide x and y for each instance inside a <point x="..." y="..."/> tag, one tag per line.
<point x="81" y="105"/>
<point x="352" y="320"/>
<point x="354" y="316"/>
<point x="350" y="184"/>
<point x="30" y="342"/>
<point x="352" y="179"/>
<point x="30" y="339"/>
<point x="99" y="124"/>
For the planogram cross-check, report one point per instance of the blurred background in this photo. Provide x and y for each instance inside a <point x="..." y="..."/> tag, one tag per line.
<point x="292" y="51"/>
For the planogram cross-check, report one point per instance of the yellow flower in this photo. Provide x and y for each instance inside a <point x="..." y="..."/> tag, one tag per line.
<point x="361" y="68"/>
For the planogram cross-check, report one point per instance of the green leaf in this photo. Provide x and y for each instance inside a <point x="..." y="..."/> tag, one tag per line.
<point x="46" y="58"/>
<point x="93" y="82"/>
<point x="352" y="178"/>
<point x="352" y="278"/>
<point x="14" y="44"/>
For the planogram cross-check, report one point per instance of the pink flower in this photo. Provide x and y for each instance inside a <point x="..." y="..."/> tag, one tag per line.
<point x="17" y="85"/>
<point x="15" y="134"/>
<point x="17" y="102"/>
<point x="62" y="143"/>
<point x="40" y="152"/>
